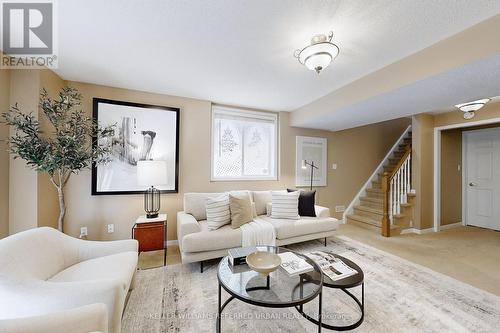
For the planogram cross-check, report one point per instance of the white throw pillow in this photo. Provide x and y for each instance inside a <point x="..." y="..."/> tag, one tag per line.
<point x="218" y="213"/>
<point x="261" y="199"/>
<point x="285" y="205"/>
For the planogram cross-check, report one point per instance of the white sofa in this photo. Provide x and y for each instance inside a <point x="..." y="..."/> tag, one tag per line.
<point x="197" y="243"/>
<point x="43" y="271"/>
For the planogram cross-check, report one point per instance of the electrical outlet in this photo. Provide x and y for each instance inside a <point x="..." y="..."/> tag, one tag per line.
<point x="334" y="166"/>
<point x="111" y="228"/>
<point x="83" y="232"/>
<point x="339" y="209"/>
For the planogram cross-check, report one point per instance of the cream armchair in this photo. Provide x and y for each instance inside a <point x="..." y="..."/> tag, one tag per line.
<point x="88" y="318"/>
<point x="43" y="271"/>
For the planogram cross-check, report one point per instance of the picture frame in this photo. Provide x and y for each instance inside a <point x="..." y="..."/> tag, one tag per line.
<point x="143" y="132"/>
<point x="311" y="149"/>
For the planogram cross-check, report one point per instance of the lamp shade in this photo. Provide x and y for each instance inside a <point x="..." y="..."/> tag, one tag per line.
<point x="152" y="173"/>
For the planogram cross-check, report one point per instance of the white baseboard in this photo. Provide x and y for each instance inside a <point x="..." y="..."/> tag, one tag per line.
<point x="451" y="226"/>
<point x="417" y="231"/>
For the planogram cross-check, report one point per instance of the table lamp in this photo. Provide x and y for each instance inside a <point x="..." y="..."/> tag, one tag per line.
<point x="152" y="173"/>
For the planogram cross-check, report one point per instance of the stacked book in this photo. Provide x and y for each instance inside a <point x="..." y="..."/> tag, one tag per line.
<point x="294" y="265"/>
<point x="238" y="256"/>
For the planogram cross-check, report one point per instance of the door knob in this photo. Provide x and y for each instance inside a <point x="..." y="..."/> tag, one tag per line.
<point x="472" y="184"/>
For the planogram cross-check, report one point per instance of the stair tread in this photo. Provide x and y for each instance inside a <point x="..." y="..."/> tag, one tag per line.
<point x="375" y="190"/>
<point x="377" y="200"/>
<point x="370" y="209"/>
<point x="365" y="219"/>
<point x="368" y="221"/>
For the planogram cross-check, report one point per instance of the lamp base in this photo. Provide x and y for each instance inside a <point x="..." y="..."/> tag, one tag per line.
<point x="152" y="215"/>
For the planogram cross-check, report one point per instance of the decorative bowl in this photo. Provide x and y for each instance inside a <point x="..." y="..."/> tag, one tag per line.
<point x="263" y="262"/>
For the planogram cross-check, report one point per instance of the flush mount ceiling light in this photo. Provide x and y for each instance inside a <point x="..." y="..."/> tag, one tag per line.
<point x="319" y="54"/>
<point x="470" y="108"/>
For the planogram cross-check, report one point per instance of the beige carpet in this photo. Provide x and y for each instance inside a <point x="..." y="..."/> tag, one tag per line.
<point x="400" y="297"/>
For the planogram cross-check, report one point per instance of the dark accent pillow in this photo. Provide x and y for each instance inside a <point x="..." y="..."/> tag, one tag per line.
<point x="306" y="202"/>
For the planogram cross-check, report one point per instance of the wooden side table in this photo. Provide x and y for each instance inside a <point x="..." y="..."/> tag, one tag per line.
<point x="151" y="234"/>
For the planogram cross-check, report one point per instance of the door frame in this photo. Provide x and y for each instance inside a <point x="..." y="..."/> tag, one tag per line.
<point x="437" y="166"/>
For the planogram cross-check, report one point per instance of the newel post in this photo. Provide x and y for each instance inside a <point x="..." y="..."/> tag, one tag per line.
<point x="386" y="223"/>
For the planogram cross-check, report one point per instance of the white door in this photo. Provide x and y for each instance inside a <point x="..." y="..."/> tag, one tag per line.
<point x="482" y="178"/>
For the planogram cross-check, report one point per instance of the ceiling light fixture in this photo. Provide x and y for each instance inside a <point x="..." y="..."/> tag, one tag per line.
<point x="470" y="108"/>
<point x="319" y="54"/>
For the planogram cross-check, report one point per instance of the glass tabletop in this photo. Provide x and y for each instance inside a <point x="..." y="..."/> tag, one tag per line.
<point x="279" y="289"/>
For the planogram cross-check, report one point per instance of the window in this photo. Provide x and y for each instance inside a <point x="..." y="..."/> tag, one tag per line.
<point x="244" y="144"/>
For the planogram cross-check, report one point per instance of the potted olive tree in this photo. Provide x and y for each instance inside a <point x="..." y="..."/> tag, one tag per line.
<point x="66" y="147"/>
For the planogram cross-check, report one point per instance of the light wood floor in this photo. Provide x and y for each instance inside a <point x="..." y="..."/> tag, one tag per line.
<point x="468" y="254"/>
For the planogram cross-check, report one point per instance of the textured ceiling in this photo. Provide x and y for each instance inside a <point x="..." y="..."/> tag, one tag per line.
<point x="240" y="52"/>
<point x="434" y="94"/>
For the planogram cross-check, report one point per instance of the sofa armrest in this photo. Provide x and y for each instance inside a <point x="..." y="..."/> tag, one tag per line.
<point x="186" y="224"/>
<point x="94" y="249"/>
<point x="322" y="211"/>
<point x="36" y="298"/>
<point x="84" y="319"/>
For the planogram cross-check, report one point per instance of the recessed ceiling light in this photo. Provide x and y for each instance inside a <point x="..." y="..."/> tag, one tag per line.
<point x="319" y="54"/>
<point x="470" y="108"/>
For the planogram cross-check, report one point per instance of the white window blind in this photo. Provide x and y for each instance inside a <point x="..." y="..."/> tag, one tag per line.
<point x="244" y="144"/>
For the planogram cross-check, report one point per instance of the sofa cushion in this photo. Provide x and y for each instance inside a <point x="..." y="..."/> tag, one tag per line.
<point x="195" y="204"/>
<point x="210" y="240"/>
<point x="241" y="209"/>
<point x="285" y="205"/>
<point x="218" y="213"/>
<point x="306" y="202"/>
<point x="119" y="267"/>
<point x="286" y="228"/>
<point x="261" y="199"/>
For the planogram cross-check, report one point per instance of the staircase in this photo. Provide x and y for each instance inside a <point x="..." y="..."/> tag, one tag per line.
<point x="388" y="195"/>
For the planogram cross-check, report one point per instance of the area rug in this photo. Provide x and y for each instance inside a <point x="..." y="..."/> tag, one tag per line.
<point x="400" y="296"/>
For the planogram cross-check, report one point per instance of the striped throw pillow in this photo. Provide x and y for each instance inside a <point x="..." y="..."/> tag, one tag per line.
<point x="285" y="205"/>
<point x="218" y="213"/>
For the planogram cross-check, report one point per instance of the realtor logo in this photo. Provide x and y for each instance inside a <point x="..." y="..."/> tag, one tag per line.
<point x="28" y="34"/>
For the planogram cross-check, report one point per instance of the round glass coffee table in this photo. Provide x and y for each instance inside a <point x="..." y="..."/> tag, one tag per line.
<point x="343" y="284"/>
<point x="277" y="290"/>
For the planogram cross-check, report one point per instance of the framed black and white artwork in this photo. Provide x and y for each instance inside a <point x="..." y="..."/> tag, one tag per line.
<point x="142" y="132"/>
<point x="310" y="149"/>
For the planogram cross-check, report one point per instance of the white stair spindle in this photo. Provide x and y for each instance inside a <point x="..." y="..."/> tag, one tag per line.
<point x="409" y="173"/>
<point x="399" y="191"/>
<point x="405" y="170"/>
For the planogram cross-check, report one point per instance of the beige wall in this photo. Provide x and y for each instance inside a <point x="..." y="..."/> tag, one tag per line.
<point x="451" y="176"/>
<point x="423" y="158"/>
<point x="4" y="155"/>
<point x="194" y="175"/>
<point x="356" y="151"/>
<point x="422" y="170"/>
<point x="23" y="198"/>
<point x="33" y="200"/>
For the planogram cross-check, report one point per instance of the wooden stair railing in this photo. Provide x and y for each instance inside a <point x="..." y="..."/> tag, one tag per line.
<point x="395" y="186"/>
